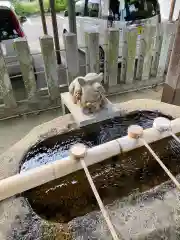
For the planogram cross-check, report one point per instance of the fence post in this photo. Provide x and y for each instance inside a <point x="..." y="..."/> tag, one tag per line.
<point x="149" y="35"/>
<point x="26" y="65"/>
<point x="92" y="52"/>
<point x="141" y="54"/>
<point x="124" y="47"/>
<point x="131" y="44"/>
<point x="5" y="84"/>
<point x="171" y="91"/>
<point x="168" y="38"/>
<point x="72" y="56"/>
<point x="157" y="50"/>
<point x="50" y="64"/>
<point x="112" y="56"/>
<point x="172" y="37"/>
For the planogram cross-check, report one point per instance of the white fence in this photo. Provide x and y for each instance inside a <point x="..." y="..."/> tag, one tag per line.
<point x="133" y="58"/>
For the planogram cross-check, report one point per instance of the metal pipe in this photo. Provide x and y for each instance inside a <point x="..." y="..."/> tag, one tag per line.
<point x="46" y="173"/>
<point x="43" y="19"/>
<point x="72" y="16"/>
<point x="55" y="30"/>
<point x="173" y="3"/>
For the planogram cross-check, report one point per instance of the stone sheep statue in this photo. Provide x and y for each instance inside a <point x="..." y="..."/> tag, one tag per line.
<point x="88" y="92"/>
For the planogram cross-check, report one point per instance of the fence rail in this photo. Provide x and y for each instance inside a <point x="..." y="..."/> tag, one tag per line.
<point x="133" y="58"/>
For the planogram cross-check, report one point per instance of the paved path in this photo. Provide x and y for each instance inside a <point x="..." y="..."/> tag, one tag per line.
<point x="33" y="30"/>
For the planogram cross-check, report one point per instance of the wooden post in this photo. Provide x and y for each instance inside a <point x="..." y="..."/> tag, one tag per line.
<point x="124" y="47"/>
<point x="149" y="35"/>
<point x="26" y="65"/>
<point x="171" y="43"/>
<point x="173" y="3"/>
<point x="5" y="84"/>
<point x="72" y="56"/>
<point x="131" y="44"/>
<point x="171" y="91"/>
<point x="50" y="64"/>
<point x="141" y="54"/>
<point x="168" y="37"/>
<point x="71" y="16"/>
<point x="92" y="52"/>
<point x="156" y="50"/>
<point x="112" y="56"/>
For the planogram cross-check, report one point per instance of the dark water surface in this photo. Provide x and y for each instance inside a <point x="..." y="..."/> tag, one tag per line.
<point x="57" y="147"/>
<point x="63" y="199"/>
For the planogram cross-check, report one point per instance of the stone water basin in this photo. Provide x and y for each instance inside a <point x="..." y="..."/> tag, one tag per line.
<point x="132" y="185"/>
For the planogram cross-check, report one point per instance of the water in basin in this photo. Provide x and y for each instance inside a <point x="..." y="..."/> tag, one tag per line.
<point x="64" y="199"/>
<point x="57" y="147"/>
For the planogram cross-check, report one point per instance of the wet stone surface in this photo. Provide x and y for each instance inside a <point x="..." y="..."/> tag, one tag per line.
<point x="63" y="199"/>
<point x="27" y="225"/>
<point x="153" y="215"/>
<point x="66" y="208"/>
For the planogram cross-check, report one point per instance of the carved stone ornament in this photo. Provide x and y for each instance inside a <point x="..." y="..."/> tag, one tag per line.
<point x="88" y="92"/>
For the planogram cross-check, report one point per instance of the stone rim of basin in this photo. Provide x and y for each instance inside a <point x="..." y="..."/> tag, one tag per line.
<point x="11" y="159"/>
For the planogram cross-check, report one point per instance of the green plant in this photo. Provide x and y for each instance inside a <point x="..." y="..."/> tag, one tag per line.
<point x="60" y="5"/>
<point x="29" y="8"/>
<point x="26" y="8"/>
<point x="46" y="5"/>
